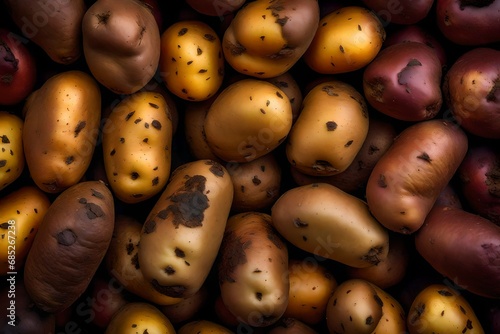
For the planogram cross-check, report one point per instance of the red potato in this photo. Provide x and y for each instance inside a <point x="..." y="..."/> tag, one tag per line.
<point x="464" y="247"/>
<point x="216" y="7"/>
<point x="400" y="11"/>
<point x="105" y="299"/>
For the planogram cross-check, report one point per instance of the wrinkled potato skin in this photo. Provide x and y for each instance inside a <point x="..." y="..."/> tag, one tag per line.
<point x="61" y="129"/>
<point x="136" y="143"/>
<point x="253" y="270"/>
<point x="182" y="234"/>
<point x="203" y="327"/>
<point x="25" y="208"/>
<point x="267" y="37"/>
<point x="408" y="178"/>
<point x="12" y="159"/>
<point x="121" y="43"/>
<point x="330" y="130"/>
<point x="69" y="246"/>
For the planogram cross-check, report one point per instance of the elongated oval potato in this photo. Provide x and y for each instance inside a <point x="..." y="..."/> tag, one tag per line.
<point x="21" y="213"/>
<point x="182" y="233"/>
<point x="122" y="261"/>
<point x="407" y="180"/>
<point x="12" y="159"/>
<point x="439" y="308"/>
<point x="69" y="246"/>
<point x="139" y="317"/>
<point x="247" y="120"/>
<point x="136" y="143"/>
<point x="203" y="327"/>
<point x="253" y="269"/>
<point x="326" y="221"/>
<point x="330" y="130"/>
<point x="61" y="128"/>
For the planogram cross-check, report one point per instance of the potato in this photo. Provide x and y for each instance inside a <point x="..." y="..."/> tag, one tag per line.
<point x="311" y="286"/>
<point x="393" y="315"/>
<point x="291" y="326"/>
<point x="325" y="221"/>
<point x="253" y="270"/>
<point x="330" y="130"/>
<point x="247" y="120"/>
<point x="121" y="43"/>
<point x="463" y="247"/>
<point x="183" y="231"/>
<point x="136" y="143"/>
<point x="69" y="246"/>
<point x="21" y="213"/>
<point x="203" y="327"/>
<point x="216" y="8"/>
<point x="408" y="178"/>
<point x="439" y="308"/>
<point x="346" y="40"/>
<point x="139" y="317"/>
<point x="267" y="37"/>
<point x="191" y="60"/>
<point x="122" y="261"/>
<point x="61" y="128"/>
<point x="404" y="82"/>
<point x="53" y="25"/>
<point x="287" y="83"/>
<point x="188" y="308"/>
<point x="12" y="159"/>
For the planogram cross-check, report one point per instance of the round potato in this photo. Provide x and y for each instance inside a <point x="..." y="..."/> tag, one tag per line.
<point x="139" y="317"/>
<point x="12" y="159"/>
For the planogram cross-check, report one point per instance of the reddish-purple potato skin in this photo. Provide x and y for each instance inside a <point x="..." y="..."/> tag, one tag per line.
<point x="400" y="11"/>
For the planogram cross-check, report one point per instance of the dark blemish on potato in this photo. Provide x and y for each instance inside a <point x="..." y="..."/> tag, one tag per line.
<point x="187" y="263"/>
<point x="262" y="111"/>
<point x="176" y="291"/>
<point x="258" y="295"/>
<point x="129" y="115"/>
<point x="66" y="237"/>
<point x="173" y="60"/>
<point x="149" y="226"/>
<point x="260" y="73"/>
<point x="331" y="126"/>
<point x="442" y="313"/>
<point x="162" y="214"/>
<point x="381" y="181"/>
<point x="156" y="124"/>
<point x="3" y="162"/>
<point x="263" y="168"/>
<point x="328" y="89"/>
<point x="138" y="120"/>
<point x="189" y="203"/>
<point x="232" y="254"/>
<point x="492" y="94"/>
<point x="182" y="32"/>
<point x="262" y="38"/>
<point x="184" y="90"/>
<point x="323" y="166"/>
<point x="179" y="253"/>
<point x="235" y="49"/>
<point x="145" y="140"/>
<point x="146" y="125"/>
<point x="4" y="226"/>
<point x="155" y="181"/>
<point x="69" y="160"/>
<point x="349" y="143"/>
<point x="11" y="152"/>
<point x="122" y="140"/>
<point x="199" y="51"/>
<point x="341" y="48"/>
<point x="373" y="255"/>
<point x="93" y="211"/>
<point x="297" y="222"/>
<point x="82" y="200"/>
<point x="242" y="189"/>
<point x="113" y="151"/>
<point x="135" y="261"/>
<point x="216" y="168"/>
<point x="462" y="309"/>
<point x="154" y="105"/>
<point x="467" y="326"/>
<point x="209" y="37"/>
<point x="257" y="271"/>
<point x="369" y="320"/>
<point x="424" y="156"/>
<point x="203" y="71"/>
<point x="134" y="175"/>
<point x="189" y="62"/>
<point x="103" y="17"/>
<point x="256" y="181"/>
<point x="376" y="88"/>
<point x="282" y="21"/>
<point x="278" y="94"/>
<point x="373" y="149"/>
<point x="79" y="127"/>
<point x="359" y="28"/>
<point x="134" y="325"/>
<point x="5" y="139"/>
<point x="378" y="300"/>
<point x="129" y="248"/>
<point x="444" y="293"/>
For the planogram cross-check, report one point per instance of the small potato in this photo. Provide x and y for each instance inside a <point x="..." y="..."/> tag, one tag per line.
<point x="247" y="120"/>
<point x="61" y="128"/>
<point x="323" y="220"/>
<point x="203" y="327"/>
<point x="329" y="131"/>
<point x="253" y="270"/>
<point x="441" y="309"/>
<point x="183" y="231"/>
<point x="191" y="60"/>
<point x="346" y="40"/>
<point x="12" y="159"/>
<point x="139" y="317"/>
<point x="21" y="213"/>
<point x="136" y="143"/>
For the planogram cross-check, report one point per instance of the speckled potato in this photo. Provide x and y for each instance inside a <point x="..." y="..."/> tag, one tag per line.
<point x="326" y="221"/>
<point x="12" y="159"/>
<point x="203" y="327"/>
<point x="267" y="37"/>
<point x="287" y="83"/>
<point x="247" y="120"/>
<point x="21" y="212"/>
<point x="191" y="60"/>
<point x="122" y="261"/>
<point x="393" y="315"/>
<point x="346" y="40"/>
<point x="182" y="233"/>
<point x="330" y="130"/>
<point x="253" y="270"/>
<point x="61" y="128"/>
<point x="139" y="317"/>
<point x="439" y="308"/>
<point x="136" y="143"/>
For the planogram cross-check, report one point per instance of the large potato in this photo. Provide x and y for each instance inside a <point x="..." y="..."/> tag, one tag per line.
<point x="183" y="231"/>
<point x="136" y="143"/>
<point x="12" y="159"/>
<point x="330" y="130"/>
<point x="69" y="246"/>
<point x="61" y="128"/>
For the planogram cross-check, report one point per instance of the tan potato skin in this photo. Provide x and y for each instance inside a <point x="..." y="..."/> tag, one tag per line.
<point x="188" y="308"/>
<point x="182" y="234"/>
<point x="393" y="315"/>
<point x="136" y="143"/>
<point x="12" y="159"/>
<point x="203" y="327"/>
<point x="287" y="83"/>
<point x="21" y="213"/>
<point x="330" y="130"/>
<point x="61" y="128"/>
<point x="407" y="180"/>
<point x="69" y="246"/>
<point x="326" y="221"/>
<point x="139" y="317"/>
<point x="253" y="270"/>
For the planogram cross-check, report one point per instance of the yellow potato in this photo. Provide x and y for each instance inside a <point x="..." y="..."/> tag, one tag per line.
<point x="203" y="327"/>
<point x="12" y="160"/>
<point x="139" y="317"/>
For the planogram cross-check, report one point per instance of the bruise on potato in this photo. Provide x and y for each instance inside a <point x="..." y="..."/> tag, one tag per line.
<point x="176" y="291"/>
<point x="232" y="256"/>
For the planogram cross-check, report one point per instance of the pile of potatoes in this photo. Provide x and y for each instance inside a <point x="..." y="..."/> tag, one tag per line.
<point x="259" y="166"/>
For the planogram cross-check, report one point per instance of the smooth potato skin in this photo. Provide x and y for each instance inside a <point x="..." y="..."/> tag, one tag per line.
<point x="139" y="317"/>
<point x="408" y="178"/>
<point x="69" y="246"/>
<point x="12" y="161"/>
<point x="203" y="327"/>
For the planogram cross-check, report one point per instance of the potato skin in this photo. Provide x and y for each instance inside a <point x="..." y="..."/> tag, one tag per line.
<point x="253" y="269"/>
<point x="323" y="220"/>
<point x="69" y="246"/>
<point x="139" y="317"/>
<point x="408" y="178"/>
<point x="183" y="231"/>
<point x="203" y="327"/>
<point x="61" y="128"/>
<point x="12" y="159"/>
<point x="403" y="12"/>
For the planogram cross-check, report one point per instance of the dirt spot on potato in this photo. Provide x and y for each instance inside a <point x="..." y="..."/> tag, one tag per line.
<point x="149" y="227"/>
<point x="331" y="126"/>
<point x="5" y="139"/>
<point x="92" y="210"/>
<point x="424" y="156"/>
<point x="373" y="255"/>
<point x="66" y="237"/>
<point x="79" y="127"/>
<point x="175" y="291"/>
<point x="232" y="255"/>
<point x="323" y="166"/>
<point x="216" y="168"/>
